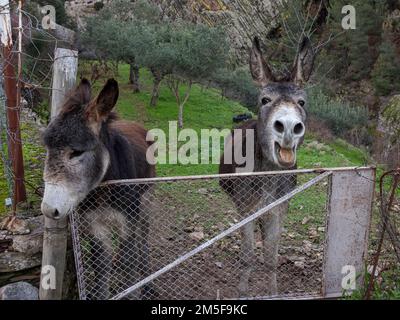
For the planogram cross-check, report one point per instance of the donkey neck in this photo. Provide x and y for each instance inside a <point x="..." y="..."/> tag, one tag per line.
<point x="122" y="159"/>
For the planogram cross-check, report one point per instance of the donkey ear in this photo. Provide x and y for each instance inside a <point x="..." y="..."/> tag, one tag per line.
<point x="83" y="91"/>
<point x="106" y="100"/>
<point x="304" y="62"/>
<point x="259" y="68"/>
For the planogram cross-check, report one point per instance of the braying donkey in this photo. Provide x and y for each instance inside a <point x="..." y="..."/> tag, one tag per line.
<point x="86" y="144"/>
<point x="278" y="132"/>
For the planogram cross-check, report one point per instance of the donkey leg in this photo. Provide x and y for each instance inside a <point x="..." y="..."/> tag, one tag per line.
<point x="102" y="263"/>
<point x="271" y="229"/>
<point x="144" y="252"/>
<point x="128" y="262"/>
<point x="247" y="258"/>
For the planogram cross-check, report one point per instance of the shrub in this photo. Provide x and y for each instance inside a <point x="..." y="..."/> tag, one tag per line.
<point x="340" y="116"/>
<point x="98" y="6"/>
<point x="386" y="73"/>
<point x="237" y="85"/>
<point x="391" y="118"/>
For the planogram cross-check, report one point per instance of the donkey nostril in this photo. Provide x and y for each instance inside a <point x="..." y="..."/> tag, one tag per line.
<point x="278" y="126"/>
<point x="56" y="214"/>
<point x="298" y="128"/>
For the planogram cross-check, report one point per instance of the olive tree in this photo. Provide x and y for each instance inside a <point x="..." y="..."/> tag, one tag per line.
<point x="198" y="51"/>
<point x="156" y="52"/>
<point x="113" y="32"/>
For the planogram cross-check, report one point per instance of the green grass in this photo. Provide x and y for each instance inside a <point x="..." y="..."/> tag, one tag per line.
<point x="33" y="153"/>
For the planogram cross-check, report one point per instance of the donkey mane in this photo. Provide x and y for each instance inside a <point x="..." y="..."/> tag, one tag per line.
<point x="125" y="142"/>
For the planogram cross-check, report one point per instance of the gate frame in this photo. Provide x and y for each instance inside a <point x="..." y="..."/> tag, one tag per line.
<point x="348" y="221"/>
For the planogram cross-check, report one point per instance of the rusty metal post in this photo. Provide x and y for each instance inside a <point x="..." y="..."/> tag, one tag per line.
<point x="10" y="88"/>
<point x="56" y="231"/>
<point x="385" y="212"/>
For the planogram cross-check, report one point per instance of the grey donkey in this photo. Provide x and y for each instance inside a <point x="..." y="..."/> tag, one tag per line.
<point x="278" y="132"/>
<point x="86" y="144"/>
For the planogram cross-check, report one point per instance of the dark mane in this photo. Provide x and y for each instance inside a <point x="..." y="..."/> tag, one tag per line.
<point x="127" y="154"/>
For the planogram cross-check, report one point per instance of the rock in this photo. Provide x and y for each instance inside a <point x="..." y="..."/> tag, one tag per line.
<point x="282" y="260"/>
<point x="198" y="228"/>
<point x="202" y="191"/>
<point x="313" y="233"/>
<point x="291" y="235"/>
<point x="321" y="229"/>
<point x="219" y="264"/>
<point x="299" y="264"/>
<point x="307" y="246"/>
<point x="305" y="220"/>
<point x="15" y="225"/>
<point x="220" y="226"/>
<point x="31" y="243"/>
<point x="19" y="291"/>
<point x="17" y="261"/>
<point x="188" y="229"/>
<point x="197" y="235"/>
<point x="296" y="259"/>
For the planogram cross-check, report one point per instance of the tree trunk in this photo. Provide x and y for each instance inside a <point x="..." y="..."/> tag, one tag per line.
<point x="181" y="105"/>
<point x="158" y="77"/>
<point x="180" y="116"/>
<point x="134" y="77"/>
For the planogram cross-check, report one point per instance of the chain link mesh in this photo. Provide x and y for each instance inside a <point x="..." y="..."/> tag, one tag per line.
<point x="125" y="231"/>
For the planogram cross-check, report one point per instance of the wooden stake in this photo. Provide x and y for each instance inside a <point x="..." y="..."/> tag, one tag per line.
<point x="56" y="231"/>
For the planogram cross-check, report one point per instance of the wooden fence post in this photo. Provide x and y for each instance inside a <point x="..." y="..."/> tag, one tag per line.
<point x="56" y="231"/>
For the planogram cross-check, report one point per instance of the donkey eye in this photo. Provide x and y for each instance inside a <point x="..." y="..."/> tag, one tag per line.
<point x="301" y="103"/>
<point x="75" y="153"/>
<point x="265" y="100"/>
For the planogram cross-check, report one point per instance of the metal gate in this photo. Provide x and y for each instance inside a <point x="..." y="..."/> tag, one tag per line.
<point x="204" y="237"/>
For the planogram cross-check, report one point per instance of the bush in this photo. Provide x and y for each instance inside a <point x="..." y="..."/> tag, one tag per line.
<point x="98" y="6"/>
<point x="386" y="73"/>
<point x="391" y="118"/>
<point x="340" y="116"/>
<point x="237" y="85"/>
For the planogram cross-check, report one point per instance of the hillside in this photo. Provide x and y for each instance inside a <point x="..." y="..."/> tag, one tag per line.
<point x="241" y="18"/>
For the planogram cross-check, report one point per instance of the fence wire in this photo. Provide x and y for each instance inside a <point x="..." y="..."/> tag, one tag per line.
<point x="385" y="243"/>
<point x="126" y="231"/>
<point x="31" y="57"/>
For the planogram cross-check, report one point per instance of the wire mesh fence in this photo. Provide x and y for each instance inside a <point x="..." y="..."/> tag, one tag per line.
<point x="140" y="233"/>
<point x="390" y="210"/>
<point x="384" y="263"/>
<point x="27" y="59"/>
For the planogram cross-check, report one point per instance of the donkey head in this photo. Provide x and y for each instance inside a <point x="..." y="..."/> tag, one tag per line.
<point x="282" y="103"/>
<point x="77" y="159"/>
